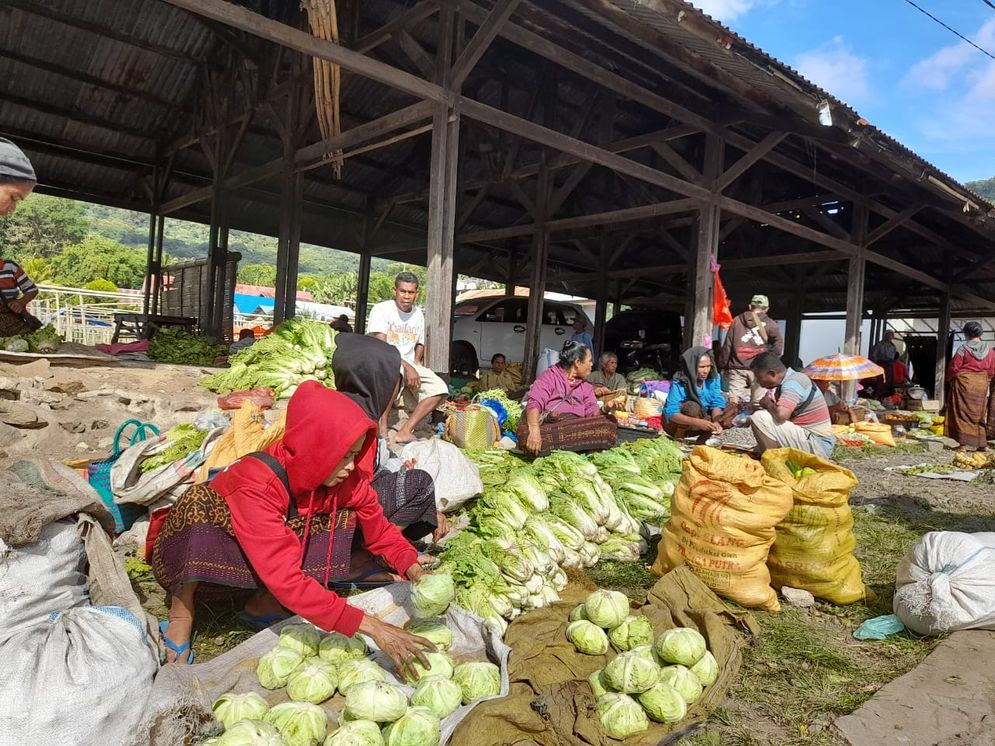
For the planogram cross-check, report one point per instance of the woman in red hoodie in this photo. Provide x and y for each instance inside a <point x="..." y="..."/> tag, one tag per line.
<point x="244" y="531"/>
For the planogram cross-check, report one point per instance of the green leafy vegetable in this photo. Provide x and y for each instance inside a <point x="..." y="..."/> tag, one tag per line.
<point x="177" y="346"/>
<point x="183" y="440"/>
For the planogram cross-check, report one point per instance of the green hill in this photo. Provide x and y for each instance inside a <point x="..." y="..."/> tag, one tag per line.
<point x="985" y="188"/>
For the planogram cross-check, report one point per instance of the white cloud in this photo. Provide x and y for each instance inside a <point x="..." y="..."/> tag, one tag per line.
<point x="952" y="64"/>
<point x="835" y="67"/>
<point x="724" y="10"/>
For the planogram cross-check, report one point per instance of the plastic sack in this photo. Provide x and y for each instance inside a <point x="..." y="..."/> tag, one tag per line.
<point x="457" y="478"/>
<point x="947" y="583"/>
<point x="722" y="522"/>
<point x="41" y="578"/>
<point x="879" y="628"/>
<point x="475" y="428"/>
<point x="247" y="433"/>
<point x="262" y="396"/>
<point x="813" y="545"/>
<point x="81" y="677"/>
<point x="880" y="434"/>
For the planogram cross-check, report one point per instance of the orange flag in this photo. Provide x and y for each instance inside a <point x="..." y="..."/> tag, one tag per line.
<point x="721" y="313"/>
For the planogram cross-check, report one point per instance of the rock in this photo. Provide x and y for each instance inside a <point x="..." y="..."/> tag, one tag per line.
<point x="934" y="446"/>
<point x="797" y="597"/>
<point x="105" y="443"/>
<point x="9" y="435"/>
<point x="82" y="447"/>
<point x="19" y="415"/>
<point x="86" y="395"/>
<point x="73" y="426"/>
<point x="65" y="387"/>
<point x="36" y="369"/>
<point x="100" y="425"/>
<point x="42" y="397"/>
<point x="9" y="388"/>
<point x="949" y="443"/>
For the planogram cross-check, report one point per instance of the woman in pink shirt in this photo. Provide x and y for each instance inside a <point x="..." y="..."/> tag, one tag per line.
<point x="562" y="411"/>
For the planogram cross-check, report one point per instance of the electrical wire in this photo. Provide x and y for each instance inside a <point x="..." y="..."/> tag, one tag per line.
<point x="989" y="3"/>
<point x="954" y="31"/>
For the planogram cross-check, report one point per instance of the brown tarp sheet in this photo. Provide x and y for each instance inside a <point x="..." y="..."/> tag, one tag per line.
<point x="550" y="702"/>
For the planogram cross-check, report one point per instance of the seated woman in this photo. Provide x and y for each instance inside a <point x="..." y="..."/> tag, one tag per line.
<point x="281" y="521"/>
<point x="368" y="372"/>
<point x="562" y="411"/>
<point x="695" y="404"/>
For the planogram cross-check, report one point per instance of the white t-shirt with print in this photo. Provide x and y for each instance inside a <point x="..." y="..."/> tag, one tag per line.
<point x="403" y="330"/>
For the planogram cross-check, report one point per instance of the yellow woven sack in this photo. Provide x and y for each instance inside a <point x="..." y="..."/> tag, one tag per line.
<point x="722" y="525"/>
<point x="472" y="428"/>
<point x="879" y="433"/>
<point x="813" y="546"/>
<point x="247" y="433"/>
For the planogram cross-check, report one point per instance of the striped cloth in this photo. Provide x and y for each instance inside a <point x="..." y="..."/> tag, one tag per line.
<point x="807" y="411"/>
<point x="14" y="281"/>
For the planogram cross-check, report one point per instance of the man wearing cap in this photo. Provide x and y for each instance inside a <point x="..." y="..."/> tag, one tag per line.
<point x="17" y="180"/>
<point x="750" y="334"/>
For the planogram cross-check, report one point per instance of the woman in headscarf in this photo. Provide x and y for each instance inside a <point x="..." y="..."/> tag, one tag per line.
<point x="281" y="521"/>
<point x="368" y="371"/>
<point x="17" y="181"/>
<point x="695" y="403"/>
<point x="969" y="379"/>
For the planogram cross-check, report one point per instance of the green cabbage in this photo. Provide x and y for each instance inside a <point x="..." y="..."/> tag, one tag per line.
<point x="598" y="684"/>
<point x="646" y="651"/>
<point x="634" y="631"/>
<point x="663" y="703"/>
<point x="578" y="613"/>
<point x="432" y="594"/>
<point x="685" y="682"/>
<point x="631" y="673"/>
<point x="303" y="638"/>
<point x="620" y="715"/>
<point x="337" y="648"/>
<point x="357" y="672"/>
<point x="419" y="726"/>
<point x="275" y="667"/>
<point x="607" y="609"/>
<point x="706" y="669"/>
<point x="312" y="681"/>
<point x="251" y="733"/>
<point x="440" y="664"/>
<point x="477" y="679"/>
<point x="587" y="637"/>
<point x="681" y="645"/>
<point x="435" y="631"/>
<point x="230" y="708"/>
<point x="375" y="700"/>
<point x="299" y="723"/>
<point x="356" y="733"/>
<point x="441" y="695"/>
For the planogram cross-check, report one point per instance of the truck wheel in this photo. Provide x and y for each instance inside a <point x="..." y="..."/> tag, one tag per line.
<point x="463" y="359"/>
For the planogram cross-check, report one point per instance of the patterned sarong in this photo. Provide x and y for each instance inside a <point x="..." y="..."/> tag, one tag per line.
<point x="967" y="409"/>
<point x="197" y="544"/>
<point x="12" y="324"/>
<point x="569" y="433"/>
<point x="408" y="500"/>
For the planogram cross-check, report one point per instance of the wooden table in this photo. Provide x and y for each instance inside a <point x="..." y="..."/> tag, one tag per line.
<point x="143" y="326"/>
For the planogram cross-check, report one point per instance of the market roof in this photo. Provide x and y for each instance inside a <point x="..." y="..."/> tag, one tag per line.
<point x="107" y="96"/>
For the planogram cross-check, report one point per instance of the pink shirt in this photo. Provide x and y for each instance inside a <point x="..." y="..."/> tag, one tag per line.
<point x="552" y="387"/>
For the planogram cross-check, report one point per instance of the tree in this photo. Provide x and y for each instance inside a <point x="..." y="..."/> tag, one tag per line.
<point x="42" y="226"/>
<point x="37" y="269"/>
<point x="258" y="274"/>
<point x="101" y="285"/>
<point x="985" y="188"/>
<point x="99" y="258"/>
<point x="308" y="283"/>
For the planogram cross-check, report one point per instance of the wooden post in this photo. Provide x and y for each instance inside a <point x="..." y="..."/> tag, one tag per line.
<point x="601" y="309"/>
<point x="150" y="255"/>
<point x="698" y="322"/>
<point x="793" y="328"/>
<point x="942" y="342"/>
<point x="855" y="293"/>
<point x="537" y="284"/>
<point x="363" y="290"/>
<point x="157" y="265"/>
<point x="509" y="283"/>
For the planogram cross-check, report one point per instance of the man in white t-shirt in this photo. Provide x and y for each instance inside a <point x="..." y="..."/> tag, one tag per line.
<point x="400" y="323"/>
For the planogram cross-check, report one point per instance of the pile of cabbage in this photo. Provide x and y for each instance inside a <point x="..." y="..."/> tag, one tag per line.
<point x="563" y="511"/>
<point x="313" y="667"/>
<point x="652" y="677"/>
<point x="297" y="350"/>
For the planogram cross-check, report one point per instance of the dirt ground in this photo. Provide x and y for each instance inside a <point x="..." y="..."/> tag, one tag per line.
<point x="802" y="672"/>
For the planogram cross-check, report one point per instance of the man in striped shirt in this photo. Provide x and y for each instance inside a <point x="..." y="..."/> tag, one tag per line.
<point x="796" y="415"/>
<point x="16" y="288"/>
<point x="17" y="181"/>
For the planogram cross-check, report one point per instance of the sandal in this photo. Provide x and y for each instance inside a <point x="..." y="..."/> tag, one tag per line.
<point x="178" y="650"/>
<point x="260" y="623"/>
<point x="360" y="583"/>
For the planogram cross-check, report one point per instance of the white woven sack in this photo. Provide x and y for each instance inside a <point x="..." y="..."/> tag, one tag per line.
<point x="42" y="577"/>
<point x="947" y="583"/>
<point x="80" y="678"/>
<point x="179" y="708"/>
<point x="457" y="478"/>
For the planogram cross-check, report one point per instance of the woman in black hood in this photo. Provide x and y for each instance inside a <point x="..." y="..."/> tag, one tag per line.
<point x="368" y="371"/>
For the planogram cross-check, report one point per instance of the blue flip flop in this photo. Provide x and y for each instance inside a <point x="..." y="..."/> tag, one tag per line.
<point x="177" y="649"/>
<point x="358" y="584"/>
<point x="259" y="623"/>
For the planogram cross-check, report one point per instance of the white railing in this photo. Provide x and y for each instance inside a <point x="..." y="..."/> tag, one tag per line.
<point x="83" y="316"/>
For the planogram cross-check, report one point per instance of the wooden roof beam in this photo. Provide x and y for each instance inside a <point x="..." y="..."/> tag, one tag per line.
<point x="487" y="30"/>
<point x="409" y="18"/>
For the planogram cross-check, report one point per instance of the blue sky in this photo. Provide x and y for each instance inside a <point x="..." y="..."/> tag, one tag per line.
<point x="903" y="72"/>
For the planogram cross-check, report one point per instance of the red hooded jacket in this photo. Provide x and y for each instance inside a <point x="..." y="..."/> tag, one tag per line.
<point x="322" y="425"/>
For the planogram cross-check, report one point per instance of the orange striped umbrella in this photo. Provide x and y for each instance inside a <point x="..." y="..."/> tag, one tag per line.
<point x="841" y="367"/>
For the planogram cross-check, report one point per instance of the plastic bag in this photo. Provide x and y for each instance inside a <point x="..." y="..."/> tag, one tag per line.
<point x="813" y="545"/>
<point x="722" y="525"/>
<point x="262" y="396"/>
<point x="456" y="477"/>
